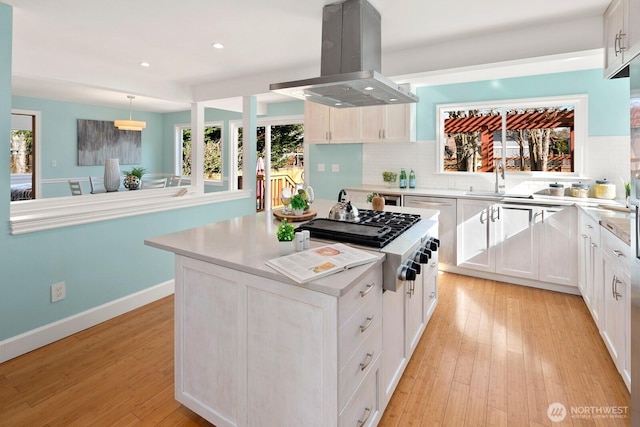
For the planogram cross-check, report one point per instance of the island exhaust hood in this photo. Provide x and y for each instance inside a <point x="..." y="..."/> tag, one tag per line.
<point x="350" y="62"/>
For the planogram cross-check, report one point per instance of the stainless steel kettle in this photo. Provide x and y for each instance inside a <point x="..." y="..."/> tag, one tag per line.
<point x="343" y="210"/>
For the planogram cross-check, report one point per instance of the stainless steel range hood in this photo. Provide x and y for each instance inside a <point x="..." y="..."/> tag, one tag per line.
<point x="350" y="62"/>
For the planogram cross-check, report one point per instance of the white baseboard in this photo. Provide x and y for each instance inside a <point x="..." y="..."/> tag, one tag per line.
<point x="39" y="337"/>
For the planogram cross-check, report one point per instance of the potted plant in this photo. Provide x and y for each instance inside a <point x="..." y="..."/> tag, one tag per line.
<point x="298" y="203"/>
<point x="133" y="178"/>
<point x="376" y="200"/>
<point x="389" y="177"/>
<point x="285" y="237"/>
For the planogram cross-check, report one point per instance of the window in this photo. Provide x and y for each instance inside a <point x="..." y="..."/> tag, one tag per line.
<point x="534" y="135"/>
<point x="212" y="151"/>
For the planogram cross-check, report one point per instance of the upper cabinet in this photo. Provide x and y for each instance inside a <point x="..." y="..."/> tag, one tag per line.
<point x="388" y="123"/>
<point x="621" y="36"/>
<point x="385" y="123"/>
<point x="323" y="124"/>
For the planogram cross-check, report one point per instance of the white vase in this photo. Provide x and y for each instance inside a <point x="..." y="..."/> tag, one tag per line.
<point x="298" y="212"/>
<point x="111" y="175"/>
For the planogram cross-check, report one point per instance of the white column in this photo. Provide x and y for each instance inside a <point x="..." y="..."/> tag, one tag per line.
<point x="249" y="144"/>
<point x="197" y="147"/>
<point x="267" y="167"/>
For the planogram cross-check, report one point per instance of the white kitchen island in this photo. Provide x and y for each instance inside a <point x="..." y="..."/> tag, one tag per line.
<point x="254" y="348"/>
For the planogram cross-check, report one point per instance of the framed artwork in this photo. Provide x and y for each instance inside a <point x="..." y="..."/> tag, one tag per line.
<point x="99" y="140"/>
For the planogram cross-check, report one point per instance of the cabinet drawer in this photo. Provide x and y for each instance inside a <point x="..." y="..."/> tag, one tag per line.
<point x="365" y="322"/>
<point x="359" y="365"/>
<point x="370" y="287"/>
<point x="615" y="248"/>
<point x="363" y="409"/>
<point x="589" y="227"/>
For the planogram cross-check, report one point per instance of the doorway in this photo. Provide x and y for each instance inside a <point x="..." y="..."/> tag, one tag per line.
<point x="24" y="155"/>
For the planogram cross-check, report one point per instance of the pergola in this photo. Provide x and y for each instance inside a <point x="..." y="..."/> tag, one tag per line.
<point x="516" y="120"/>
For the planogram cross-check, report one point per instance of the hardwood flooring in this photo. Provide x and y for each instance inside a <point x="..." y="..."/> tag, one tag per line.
<point x="493" y="354"/>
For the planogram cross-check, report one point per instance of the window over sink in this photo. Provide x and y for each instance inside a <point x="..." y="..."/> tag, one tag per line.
<point x="536" y="135"/>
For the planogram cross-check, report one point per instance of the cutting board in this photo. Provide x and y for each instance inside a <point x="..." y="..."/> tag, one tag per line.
<point x="621" y="227"/>
<point x="295" y="218"/>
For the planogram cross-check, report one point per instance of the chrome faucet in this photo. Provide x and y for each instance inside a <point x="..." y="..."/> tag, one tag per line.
<point x="499" y="167"/>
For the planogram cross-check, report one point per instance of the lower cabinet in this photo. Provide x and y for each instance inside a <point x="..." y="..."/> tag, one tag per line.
<point x="515" y="239"/>
<point x="590" y="276"/>
<point x="616" y="290"/>
<point x="446" y="223"/>
<point x="253" y="351"/>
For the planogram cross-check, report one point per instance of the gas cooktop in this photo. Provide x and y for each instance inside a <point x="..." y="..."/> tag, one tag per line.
<point x="373" y="228"/>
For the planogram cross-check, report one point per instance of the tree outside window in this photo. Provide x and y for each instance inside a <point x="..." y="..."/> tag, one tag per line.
<point x="212" y="152"/>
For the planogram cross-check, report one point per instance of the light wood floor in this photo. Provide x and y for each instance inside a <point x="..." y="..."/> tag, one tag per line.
<point x="493" y="354"/>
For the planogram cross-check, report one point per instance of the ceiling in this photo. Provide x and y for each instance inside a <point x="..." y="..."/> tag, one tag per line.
<point x="89" y="51"/>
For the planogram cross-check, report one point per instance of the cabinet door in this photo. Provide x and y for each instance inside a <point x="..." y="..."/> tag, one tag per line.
<point x="474" y="239"/>
<point x="613" y="41"/>
<point x="399" y="123"/>
<point x="345" y="125"/>
<point x="626" y="371"/>
<point x="632" y="29"/>
<point x="557" y="231"/>
<point x="414" y="309"/>
<point x="430" y="288"/>
<point x="316" y="122"/>
<point x="517" y="252"/>
<point x="446" y="223"/>
<point x="371" y="123"/>
<point x="613" y="328"/>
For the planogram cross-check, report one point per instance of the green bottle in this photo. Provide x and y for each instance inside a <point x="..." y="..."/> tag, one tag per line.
<point x="403" y="178"/>
<point x="412" y="179"/>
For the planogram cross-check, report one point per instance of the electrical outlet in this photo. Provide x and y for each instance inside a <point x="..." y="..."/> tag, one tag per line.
<point x="335" y="167"/>
<point x="58" y="292"/>
<point x="320" y="167"/>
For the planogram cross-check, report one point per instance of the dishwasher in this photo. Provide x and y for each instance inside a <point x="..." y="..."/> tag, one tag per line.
<point x="446" y="223"/>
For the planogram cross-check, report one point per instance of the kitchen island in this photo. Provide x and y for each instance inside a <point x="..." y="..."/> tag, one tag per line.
<point x="253" y="347"/>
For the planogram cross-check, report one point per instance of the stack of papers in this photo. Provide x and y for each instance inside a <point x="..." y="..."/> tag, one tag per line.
<point x="319" y="262"/>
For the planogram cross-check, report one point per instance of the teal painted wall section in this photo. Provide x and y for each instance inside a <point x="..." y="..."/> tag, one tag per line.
<point x="286" y="108"/>
<point x="6" y="28"/>
<point x="608" y="99"/>
<point x="327" y="184"/>
<point x="59" y="140"/>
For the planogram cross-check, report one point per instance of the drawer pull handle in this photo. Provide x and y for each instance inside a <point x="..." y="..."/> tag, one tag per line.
<point x="366" y="324"/>
<point x="432" y="295"/>
<point x="366" y="291"/>
<point x="367" y="359"/>
<point x="589" y="226"/>
<point x="362" y="421"/>
<point x="618" y="253"/>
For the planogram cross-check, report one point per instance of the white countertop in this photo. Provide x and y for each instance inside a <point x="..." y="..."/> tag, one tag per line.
<point x="245" y="243"/>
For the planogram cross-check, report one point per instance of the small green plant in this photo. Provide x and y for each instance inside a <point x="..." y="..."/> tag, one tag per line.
<point x="627" y="189"/>
<point x="285" y="231"/>
<point x="389" y="176"/>
<point x="370" y="197"/>
<point x="297" y="202"/>
<point x="135" y="172"/>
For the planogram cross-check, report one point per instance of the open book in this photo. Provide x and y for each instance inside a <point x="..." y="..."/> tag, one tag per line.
<point x="314" y="263"/>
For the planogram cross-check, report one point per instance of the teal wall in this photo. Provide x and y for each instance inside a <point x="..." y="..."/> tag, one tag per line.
<point x="327" y="184"/>
<point x="59" y="140"/>
<point x="608" y="99"/>
<point x="99" y="262"/>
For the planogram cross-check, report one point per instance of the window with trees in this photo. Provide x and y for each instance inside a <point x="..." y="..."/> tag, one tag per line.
<point x="212" y="151"/>
<point x="533" y="135"/>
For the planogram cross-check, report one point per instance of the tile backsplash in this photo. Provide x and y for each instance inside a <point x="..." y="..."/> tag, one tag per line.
<point x="604" y="157"/>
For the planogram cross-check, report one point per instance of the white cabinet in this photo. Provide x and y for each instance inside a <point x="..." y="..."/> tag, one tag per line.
<point x="556" y="230"/>
<point x="254" y="351"/>
<point x="388" y="123"/>
<point x="446" y="223"/>
<point x="497" y="238"/>
<point x="520" y="240"/>
<point x="621" y="35"/>
<point x="323" y="124"/>
<point x="590" y="264"/>
<point x="615" y="322"/>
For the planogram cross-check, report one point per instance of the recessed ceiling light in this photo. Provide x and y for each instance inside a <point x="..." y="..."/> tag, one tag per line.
<point x="218" y="45"/>
<point x="393" y="99"/>
<point x="145" y="64"/>
<point x="338" y="103"/>
<point x="368" y="88"/>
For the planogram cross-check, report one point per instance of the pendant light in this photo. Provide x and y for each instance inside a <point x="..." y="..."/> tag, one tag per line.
<point x="130" y="124"/>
